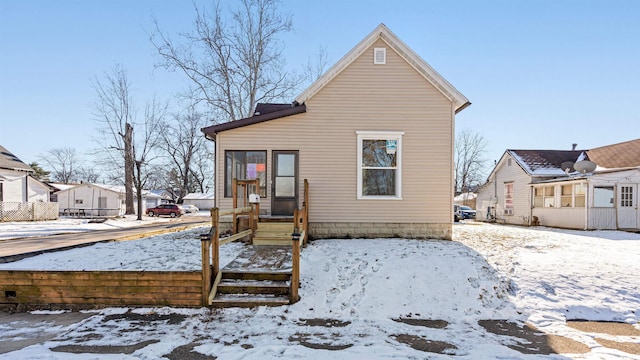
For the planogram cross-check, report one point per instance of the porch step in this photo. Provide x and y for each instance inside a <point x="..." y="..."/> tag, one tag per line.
<point x="240" y="288"/>
<point x="231" y="286"/>
<point x="273" y="233"/>
<point x="256" y="275"/>
<point x="248" y="301"/>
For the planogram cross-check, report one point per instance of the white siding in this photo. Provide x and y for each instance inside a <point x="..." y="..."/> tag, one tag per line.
<point x="364" y="97"/>
<point x="568" y="218"/>
<point x="89" y="196"/>
<point x="503" y="174"/>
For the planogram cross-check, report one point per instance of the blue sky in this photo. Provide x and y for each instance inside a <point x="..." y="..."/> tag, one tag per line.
<point x="541" y="74"/>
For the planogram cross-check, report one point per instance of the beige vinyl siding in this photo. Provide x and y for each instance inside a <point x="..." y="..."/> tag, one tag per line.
<point x="363" y="97"/>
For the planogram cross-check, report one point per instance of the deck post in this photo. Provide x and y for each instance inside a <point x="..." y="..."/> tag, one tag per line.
<point x="234" y="217"/>
<point x="206" y="268"/>
<point x="215" y="238"/>
<point x="295" y="265"/>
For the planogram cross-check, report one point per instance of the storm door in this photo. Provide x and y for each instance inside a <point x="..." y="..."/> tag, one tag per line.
<point x="628" y="206"/>
<point x="284" y="182"/>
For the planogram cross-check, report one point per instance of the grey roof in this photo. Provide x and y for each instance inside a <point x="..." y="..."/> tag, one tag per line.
<point x="11" y="162"/>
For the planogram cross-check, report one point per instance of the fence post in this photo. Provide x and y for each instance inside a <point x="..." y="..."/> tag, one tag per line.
<point x="206" y="267"/>
<point x="295" y="265"/>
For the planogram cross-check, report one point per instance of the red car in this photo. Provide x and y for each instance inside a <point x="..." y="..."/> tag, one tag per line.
<point x="165" y="209"/>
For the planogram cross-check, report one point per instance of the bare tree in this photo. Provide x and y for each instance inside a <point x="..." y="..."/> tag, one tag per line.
<point x="63" y="162"/>
<point x="469" y="160"/>
<point x="114" y="110"/>
<point x="234" y="64"/>
<point x="87" y="174"/>
<point x="186" y="147"/>
<point x="317" y="65"/>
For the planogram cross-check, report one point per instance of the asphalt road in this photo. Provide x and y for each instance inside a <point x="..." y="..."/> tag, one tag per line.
<point x="16" y="249"/>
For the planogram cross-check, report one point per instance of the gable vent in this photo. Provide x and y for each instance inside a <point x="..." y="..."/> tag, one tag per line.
<point x="379" y="55"/>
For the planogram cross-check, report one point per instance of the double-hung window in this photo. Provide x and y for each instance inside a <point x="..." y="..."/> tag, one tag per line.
<point x="508" y="198"/>
<point x="379" y="165"/>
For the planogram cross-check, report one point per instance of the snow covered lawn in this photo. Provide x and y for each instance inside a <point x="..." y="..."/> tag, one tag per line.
<point x="373" y="299"/>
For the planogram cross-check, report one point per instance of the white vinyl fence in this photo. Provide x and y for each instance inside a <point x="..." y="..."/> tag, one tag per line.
<point x="30" y="211"/>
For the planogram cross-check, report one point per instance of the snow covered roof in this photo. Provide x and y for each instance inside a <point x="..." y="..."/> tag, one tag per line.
<point x="11" y="162"/>
<point x="119" y="189"/>
<point x="465" y="196"/>
<point x="199" y="196"/>
<point x="545" y="162"/>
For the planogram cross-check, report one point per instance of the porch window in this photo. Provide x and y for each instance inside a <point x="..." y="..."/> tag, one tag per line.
<point x="548" y="198"/>
<point x="603" y="196"/>
<point x="566" y="196"/>
<point x="379" y="165"/>
<point x="538" y="196"/>
<point x="508" y="198"/>
<point x="579" y="197"/>
<point x="245" y="165"/>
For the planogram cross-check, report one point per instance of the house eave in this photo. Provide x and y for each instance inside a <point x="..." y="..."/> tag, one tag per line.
<point x="210" y="132"/>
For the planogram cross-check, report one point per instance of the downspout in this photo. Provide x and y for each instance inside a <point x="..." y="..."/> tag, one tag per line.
<point x="586" y="207"/>
<point x="26" y="189"/>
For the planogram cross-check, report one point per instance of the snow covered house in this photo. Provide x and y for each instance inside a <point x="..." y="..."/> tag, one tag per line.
<point x="373" y="136"/>
<point x="203" y="201"/>
<point x="100" y="200"/>
<point x="544" y="187"/>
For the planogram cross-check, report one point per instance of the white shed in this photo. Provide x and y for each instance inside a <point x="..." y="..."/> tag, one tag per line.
<point x="204" y="201"/>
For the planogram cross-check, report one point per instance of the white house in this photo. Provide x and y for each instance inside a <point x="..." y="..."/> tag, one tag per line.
<point x="203" y="201"/>
<point x="100" y="200"/>
<point x="16" y="182"/>
<point x="22" y="197"/>
<point x="544" y="187"/>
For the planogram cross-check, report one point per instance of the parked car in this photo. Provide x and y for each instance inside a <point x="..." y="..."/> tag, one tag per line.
<point x="165" y="209"/>
<point x="189" y="209"/>
<point x="462" y="212"/>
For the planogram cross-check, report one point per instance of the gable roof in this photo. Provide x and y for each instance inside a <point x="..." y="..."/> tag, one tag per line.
<point x="620" y="155"/>
<point x="545" y="162"/>
<point x="383" y="33"/>
<point x="11" y="162"/>
<point x="266" y="112"/>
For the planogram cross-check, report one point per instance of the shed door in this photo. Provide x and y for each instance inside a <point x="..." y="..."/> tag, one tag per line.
<point x="628" y="206"/>
<point x="284" y="184"/>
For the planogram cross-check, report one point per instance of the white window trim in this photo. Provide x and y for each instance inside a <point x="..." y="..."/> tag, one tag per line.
<point x="377" y="51"/>
<point x="380" y="135"/>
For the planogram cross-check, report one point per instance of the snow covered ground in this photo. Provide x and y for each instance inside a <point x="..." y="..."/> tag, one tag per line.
<point x="67" y="225"/>
<point x="369" y="299"/>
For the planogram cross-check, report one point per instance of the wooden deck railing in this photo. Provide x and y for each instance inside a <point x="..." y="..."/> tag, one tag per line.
<point x="298" y="240"/>
<point x="211" y="243"/>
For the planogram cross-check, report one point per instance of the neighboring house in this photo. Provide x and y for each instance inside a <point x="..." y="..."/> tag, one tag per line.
<point x="467" y="198"/>
<point x="373" y="136"/>
<point x="165" y="196"/>
<point x="543" y="185"/>
<point x="17" y="183"/>
<point x="204" y="201"/>
<point x="100" y="200"/>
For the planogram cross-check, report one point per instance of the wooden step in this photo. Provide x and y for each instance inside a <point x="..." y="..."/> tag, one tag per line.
<point x="271" y="242"/>
<point x="253" y="287"/>
<point x="248" y="301"/>
<point x="256" y="275"/>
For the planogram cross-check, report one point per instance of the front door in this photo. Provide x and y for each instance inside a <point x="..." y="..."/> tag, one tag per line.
<point x="628" y="206"/>
<point x="284" y="182"/>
